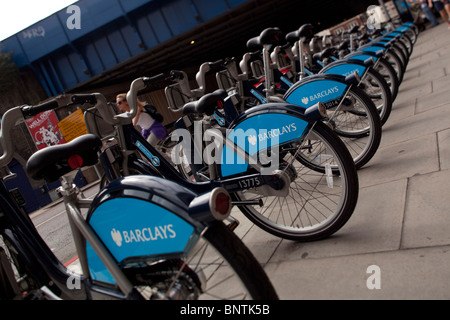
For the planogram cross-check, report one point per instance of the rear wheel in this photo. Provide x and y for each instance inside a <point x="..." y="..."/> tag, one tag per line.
<point x="358" y="124"/>
<point x="322" y="193"/>
<point x="219" y="266"/>
<point x="389" y="75"/>
<point x="378" y="91"/>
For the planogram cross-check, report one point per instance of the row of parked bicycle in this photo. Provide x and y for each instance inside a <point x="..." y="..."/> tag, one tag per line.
<point x="281" y="140"/>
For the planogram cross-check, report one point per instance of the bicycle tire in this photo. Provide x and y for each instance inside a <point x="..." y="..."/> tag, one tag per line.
<point x="7" y="291"/>
<point x="396" y="63"/>
<point x="236" y="256"/>
<point x="374" y="85"/>
<point x="13" y="262"/>
<point x="385" y="69"/>
<point x="358" y="125"/>
<point x="395" y="47"/>
<point x="310" y="193"/>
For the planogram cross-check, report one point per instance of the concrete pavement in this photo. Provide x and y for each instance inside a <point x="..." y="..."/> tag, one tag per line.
<point x="397" y="243"/>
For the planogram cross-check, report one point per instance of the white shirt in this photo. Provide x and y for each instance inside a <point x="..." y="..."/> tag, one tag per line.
<point x="145" y="121"/>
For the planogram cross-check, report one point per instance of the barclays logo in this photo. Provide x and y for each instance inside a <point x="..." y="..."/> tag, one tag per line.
<point x="319" y="95"/>
<point x="275" y="133"/>
<point x="117" y="237"/>
<point x="143" y="235"/>
<point x="252" y="140"/>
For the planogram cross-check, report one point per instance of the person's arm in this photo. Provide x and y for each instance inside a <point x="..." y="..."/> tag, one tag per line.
<point x="138" y="114"/>
<point x="430" y="3"/>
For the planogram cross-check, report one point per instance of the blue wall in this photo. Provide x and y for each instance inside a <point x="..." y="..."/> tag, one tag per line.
<point x="112" y="31"/>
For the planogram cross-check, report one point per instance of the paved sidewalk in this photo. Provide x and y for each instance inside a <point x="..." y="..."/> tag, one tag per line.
<point x="402" y="220"/>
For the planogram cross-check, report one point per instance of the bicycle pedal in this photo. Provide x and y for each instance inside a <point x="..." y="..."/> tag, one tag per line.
<point x="234" y="223"/>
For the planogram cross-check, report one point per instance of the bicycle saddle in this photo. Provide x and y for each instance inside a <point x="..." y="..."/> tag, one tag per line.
<point x="325" y="53"/>
<point x="206" y="104"/>
<point x="355" y="29"/>
<point x="305" y="31"/>
<point x="267" y="36"/>
<point x="343" y="45"/>
<point x="55" y="161"/>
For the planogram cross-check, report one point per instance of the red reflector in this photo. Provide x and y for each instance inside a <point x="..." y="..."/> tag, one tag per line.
<point x="222" y="203"/>
<point x="75" y="161"/>
<point x="220" y="104"/>
<point x="259" y="83"/>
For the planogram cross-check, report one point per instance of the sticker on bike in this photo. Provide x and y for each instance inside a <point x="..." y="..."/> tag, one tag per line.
<point x="155" y="160"/>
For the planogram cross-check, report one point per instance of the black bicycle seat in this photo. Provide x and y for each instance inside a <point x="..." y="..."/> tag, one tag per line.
<point x="267" y="36"/>
<point x="305" y="32"/>
<point x="343" y="45"/>
<point x="325" y="53"/>
<point x="55" y="161"/>
<point x="206" y="104"/>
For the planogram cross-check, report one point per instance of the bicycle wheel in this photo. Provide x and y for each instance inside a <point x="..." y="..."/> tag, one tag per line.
<point x="220" y="266"/>
<point x="358" y="124"/>
<point x="389" y="75"/>
<point x="395" y="47"/>
<point x="322" y="194"/>
<point x="16" y="278"/>
<point x="396" y="63"/>
<point x="378" y="91"/>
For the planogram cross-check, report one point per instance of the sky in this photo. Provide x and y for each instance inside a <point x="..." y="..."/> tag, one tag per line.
<point x="16" y="15"/>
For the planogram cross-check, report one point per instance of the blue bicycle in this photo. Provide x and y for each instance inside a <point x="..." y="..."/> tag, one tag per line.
<point x="351" y="113"/>
<point x="284" y="168"/>
<point x="141" y="237"/>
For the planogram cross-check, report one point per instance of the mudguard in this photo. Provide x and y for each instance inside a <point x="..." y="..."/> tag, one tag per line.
<point x="261" y="128"/>
<point x="136" y="218"/>
<point x="348" y="67"/>
<point x="364" y="55"/>
<point x="374" y="47"/>
<point x="326" y="88"/>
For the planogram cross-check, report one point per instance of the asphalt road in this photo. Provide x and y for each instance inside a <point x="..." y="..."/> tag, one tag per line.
<point x="53" y="226"/>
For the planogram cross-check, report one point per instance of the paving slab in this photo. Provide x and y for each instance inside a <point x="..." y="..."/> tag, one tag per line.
<point x="403" y="275"/>
<point x="427" y="211"/>
<point x="401" y="160"/>
<point x="423" y="123"/>
<point x="375" y="226"/>
<point x="399" y="233"/>
<point x="444" y="149"/>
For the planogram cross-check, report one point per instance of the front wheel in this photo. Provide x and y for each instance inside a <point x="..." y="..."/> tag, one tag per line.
<point x="322" y="194"/>
<point x="374" y="85"/>
<point x="357" y="122"/>
<point x="219" y="266"/>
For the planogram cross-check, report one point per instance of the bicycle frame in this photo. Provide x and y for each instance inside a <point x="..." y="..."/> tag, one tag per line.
<point x="54" y="280"/>
<point x="130" y="141"/>
<point x="156" y="164"/>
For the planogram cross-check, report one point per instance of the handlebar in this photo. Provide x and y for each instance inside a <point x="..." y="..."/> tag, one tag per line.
<point x="31" y="111"/>
<point x="84" y="98"/>
<point x="176" y="75"/>
<point x="9" y="120"/>
<point x="20" y="113"/>
<point x="136" y="86"/>
<point x="150" y="80"/>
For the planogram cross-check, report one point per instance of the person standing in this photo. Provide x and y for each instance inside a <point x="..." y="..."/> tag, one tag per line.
<point x="151" y="129"/>
<point x="440" y="7"/>
<point x="427" y="11"/>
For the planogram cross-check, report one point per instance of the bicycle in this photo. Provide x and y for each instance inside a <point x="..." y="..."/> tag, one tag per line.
<point x="141" y="237"/>
<point x="306" y="190"/>
<point x="353" y="116"/>
<point x="371" y="82"/>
